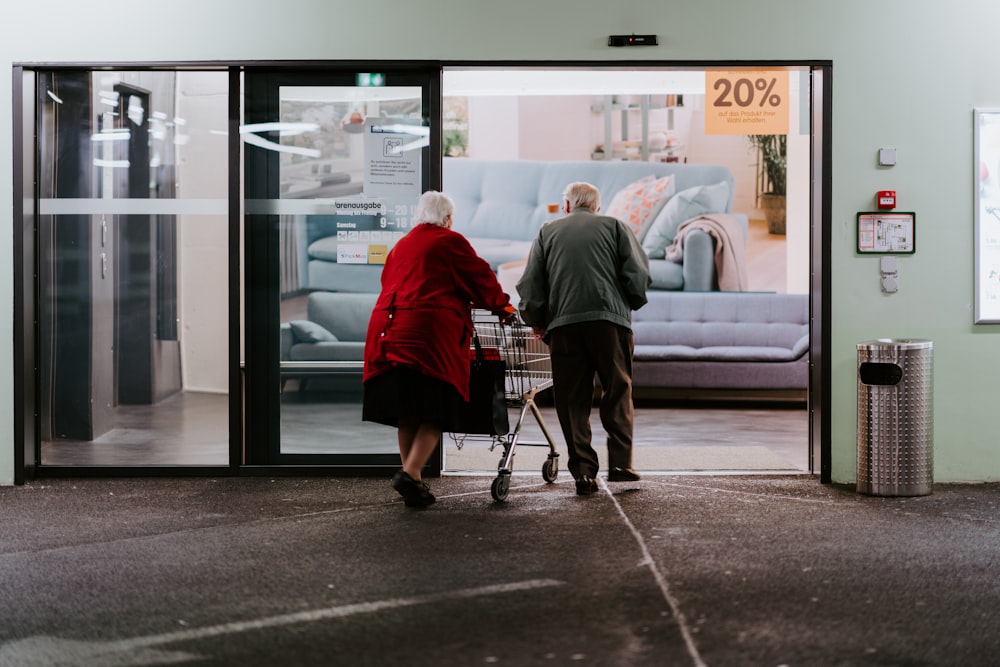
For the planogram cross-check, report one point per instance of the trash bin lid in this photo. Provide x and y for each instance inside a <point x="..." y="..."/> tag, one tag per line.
<point x="896" y="343"/>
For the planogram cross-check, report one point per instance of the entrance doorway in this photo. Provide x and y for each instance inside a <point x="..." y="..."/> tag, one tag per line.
<point x="143" y="275"/>
<point x="659" y="114"/>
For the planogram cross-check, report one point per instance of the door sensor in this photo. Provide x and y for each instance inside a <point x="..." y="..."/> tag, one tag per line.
<point x="632" y="40"/>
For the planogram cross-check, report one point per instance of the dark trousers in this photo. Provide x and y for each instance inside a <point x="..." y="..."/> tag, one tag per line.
<point x="579" y="351"/>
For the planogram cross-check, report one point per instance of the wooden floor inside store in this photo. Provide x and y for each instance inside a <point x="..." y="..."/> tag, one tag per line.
<point x="766" y="259"/>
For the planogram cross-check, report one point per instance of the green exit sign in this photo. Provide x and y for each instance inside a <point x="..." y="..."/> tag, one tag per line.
<point x="369" y="79"/>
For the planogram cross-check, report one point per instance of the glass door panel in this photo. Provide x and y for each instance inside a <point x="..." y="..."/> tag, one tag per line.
<point x="338" y="170"/>
<point x="132" y="241"/>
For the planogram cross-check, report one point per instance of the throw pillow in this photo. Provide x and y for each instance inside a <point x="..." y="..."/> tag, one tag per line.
<point x="638" y="203"/>
<point x="686" y="204"/>
<point x="310" y="332"/>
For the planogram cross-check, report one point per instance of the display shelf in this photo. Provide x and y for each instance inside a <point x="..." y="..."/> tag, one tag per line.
<point x="641" y="144"/>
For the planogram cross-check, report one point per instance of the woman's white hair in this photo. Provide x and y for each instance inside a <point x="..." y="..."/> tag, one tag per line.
<point x="582" y="195"/>
<point x="433" y="207"/>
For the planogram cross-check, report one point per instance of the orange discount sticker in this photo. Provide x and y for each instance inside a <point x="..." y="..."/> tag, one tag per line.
<point x="746" y="102"/>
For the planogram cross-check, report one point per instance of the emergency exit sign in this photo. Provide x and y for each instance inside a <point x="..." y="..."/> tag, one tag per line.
<point x="369" y="79"/>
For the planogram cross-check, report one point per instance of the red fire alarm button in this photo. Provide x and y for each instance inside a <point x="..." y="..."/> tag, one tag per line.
<point x="886" y="199"/>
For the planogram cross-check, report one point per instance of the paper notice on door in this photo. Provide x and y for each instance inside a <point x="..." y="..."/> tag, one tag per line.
<point x="352" y="253"/>
<point x="377" y="253"/>
<point x="392" y="158"/>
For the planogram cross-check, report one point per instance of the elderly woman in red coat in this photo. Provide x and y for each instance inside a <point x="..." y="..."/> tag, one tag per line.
<point x="416" y="374"/>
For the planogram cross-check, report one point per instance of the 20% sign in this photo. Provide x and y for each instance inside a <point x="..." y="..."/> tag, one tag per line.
<point x="746" y="102"/>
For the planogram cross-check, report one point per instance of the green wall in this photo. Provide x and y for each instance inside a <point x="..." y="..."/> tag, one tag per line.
<point x="905" y="75"/>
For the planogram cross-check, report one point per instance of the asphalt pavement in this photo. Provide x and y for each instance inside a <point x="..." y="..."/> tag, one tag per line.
<point x="670" y="570"/>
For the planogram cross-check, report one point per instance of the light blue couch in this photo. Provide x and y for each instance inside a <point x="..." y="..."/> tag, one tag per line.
<point x="501" y="204"/>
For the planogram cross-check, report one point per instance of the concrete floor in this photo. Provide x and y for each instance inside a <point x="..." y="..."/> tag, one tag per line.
<point x="672" y="570"/>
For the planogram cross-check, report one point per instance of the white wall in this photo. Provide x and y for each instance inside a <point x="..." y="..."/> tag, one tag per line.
<point x="555" y="128"/>
<point x="797" y="200"/>
<point x="732" y="150"/>
<point x="203" y="241"/>
<point x="493" y="128"/>
<point x="903" y="77"/>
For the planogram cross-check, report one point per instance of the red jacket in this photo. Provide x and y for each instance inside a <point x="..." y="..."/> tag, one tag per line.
<point x="422" y="318"/>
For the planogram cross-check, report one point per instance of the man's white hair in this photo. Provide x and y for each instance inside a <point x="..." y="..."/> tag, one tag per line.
<point x="584" y="195"/>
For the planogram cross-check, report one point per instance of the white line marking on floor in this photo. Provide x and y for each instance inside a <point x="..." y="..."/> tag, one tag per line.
<point x="757" y="494"/>
<point x="44" y="651"/>
<point x="661" y="581"/>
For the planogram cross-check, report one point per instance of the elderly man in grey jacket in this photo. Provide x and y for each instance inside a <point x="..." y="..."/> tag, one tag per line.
<point x="584" y="276"/>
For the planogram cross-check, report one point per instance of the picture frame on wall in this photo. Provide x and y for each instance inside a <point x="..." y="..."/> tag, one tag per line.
<point x="986" y="169"/>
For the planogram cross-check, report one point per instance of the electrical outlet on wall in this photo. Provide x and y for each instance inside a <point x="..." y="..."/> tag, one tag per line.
<point x="888" y="273"/>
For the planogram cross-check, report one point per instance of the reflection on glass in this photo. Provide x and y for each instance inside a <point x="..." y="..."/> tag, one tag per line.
<point x="987" y="211"/>
<point x="133" y="278"/>
<point x="355" y="152"/>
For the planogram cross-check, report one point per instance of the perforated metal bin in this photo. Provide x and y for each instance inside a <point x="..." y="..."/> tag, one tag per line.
<point x="895" y="417"/>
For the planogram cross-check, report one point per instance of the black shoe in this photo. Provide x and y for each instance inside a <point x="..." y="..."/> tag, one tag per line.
<point x="415" y="494"/>
<point x="426" y="498"/>
<point x="623" y="475"/>
<point x="586" y="486"/>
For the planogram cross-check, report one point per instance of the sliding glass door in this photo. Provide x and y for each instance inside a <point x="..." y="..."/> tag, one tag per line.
<point x="334" y="164"/>
<point x="132" y="284"/>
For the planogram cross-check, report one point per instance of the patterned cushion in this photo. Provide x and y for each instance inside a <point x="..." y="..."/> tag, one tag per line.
<point x="638" y="203"/>
<point x="686" y="204"/>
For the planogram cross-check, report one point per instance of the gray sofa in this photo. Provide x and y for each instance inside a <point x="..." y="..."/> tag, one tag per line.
<point x="683" y="340"/>
<point x="501" y="204"/>
<point x="722" y="341"/>
<point x="334" y="330"/>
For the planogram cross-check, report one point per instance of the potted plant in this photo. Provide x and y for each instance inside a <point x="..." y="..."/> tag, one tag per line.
<point x="771" y="178"/>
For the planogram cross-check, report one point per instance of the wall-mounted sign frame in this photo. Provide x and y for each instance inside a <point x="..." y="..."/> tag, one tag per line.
<point x="887" y="233"/>
<point x="986" y="170"/>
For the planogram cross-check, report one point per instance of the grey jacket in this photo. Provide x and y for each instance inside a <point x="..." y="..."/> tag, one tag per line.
<point x="581" y="268"/>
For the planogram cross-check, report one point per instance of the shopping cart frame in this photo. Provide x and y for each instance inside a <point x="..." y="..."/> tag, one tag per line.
<point x="527" y="371"/>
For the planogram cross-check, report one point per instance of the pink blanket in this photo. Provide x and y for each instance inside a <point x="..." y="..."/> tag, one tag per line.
<point x="730" y="258"/>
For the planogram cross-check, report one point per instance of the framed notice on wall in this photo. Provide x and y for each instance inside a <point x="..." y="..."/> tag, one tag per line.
<point x="986" y="163"/>
<point x="887" y="233"/>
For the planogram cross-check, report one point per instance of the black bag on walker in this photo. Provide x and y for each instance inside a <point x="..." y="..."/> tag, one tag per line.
<point x="486" y="412"/>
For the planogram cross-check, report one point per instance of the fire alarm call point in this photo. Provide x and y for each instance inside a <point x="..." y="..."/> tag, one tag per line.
<point x="886" y="198"/>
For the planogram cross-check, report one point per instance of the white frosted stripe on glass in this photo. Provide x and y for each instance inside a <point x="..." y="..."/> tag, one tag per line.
<point x="348" y="206"/>
<point x="133" y="206"/>
<point x="70" y="206"/>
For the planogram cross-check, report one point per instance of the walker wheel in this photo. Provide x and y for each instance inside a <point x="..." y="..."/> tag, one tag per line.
<point x="500" y="488"/>
<point x="550" y="470"/>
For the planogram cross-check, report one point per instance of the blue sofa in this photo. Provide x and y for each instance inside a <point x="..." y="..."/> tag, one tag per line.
<point x="501" y="204"/>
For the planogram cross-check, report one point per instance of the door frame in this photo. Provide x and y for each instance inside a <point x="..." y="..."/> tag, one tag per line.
<point x="26" y="399"/>
<point x="262" y="450"/>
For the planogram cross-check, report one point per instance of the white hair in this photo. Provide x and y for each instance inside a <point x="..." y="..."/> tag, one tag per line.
<point x="583" y="195"/>
<point x="433" y="207"/>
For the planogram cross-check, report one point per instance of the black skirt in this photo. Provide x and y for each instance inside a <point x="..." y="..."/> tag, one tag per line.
<point x="405" y="393"/>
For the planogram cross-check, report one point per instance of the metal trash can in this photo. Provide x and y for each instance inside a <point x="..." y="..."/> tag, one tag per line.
<point x="895" y="417"/>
